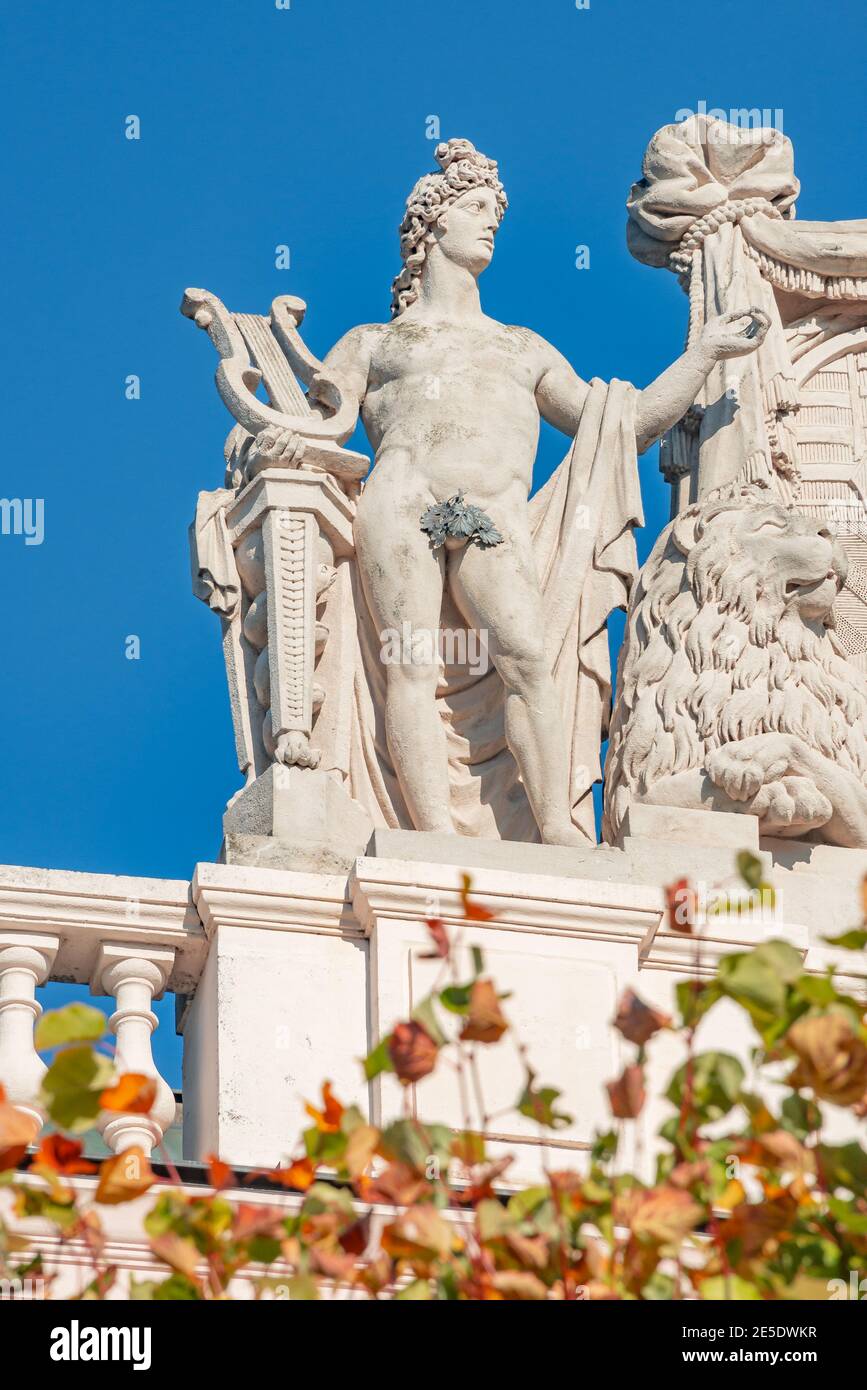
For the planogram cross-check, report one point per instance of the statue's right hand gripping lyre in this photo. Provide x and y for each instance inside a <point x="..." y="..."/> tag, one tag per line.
<point x="253" y="349"/>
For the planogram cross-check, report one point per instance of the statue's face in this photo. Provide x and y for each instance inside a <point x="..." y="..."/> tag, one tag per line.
<point x="465" y="232"/>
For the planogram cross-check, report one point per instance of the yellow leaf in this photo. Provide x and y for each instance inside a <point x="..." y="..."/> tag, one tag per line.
<point x="360" y="1149"/>
<point x="17" y="1130"/>
<point x="132" y="1093"/>
<point x="124" y="1177"/>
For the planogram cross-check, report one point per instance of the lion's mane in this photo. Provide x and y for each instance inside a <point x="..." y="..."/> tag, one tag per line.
<point x="710" y="655"/>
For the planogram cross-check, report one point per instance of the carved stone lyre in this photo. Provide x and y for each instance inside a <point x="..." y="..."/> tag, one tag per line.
<point x="264" y="551"/>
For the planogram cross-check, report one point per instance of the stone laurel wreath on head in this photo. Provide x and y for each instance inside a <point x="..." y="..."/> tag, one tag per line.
<point x="463" y="167"/>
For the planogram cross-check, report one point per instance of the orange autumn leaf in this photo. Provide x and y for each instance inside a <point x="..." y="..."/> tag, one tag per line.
<point x="627" y="1095"/>
<point x="360" y="1148"/>
<point x="123" y="1177"/>
<point x="681" y="905"/>
<point x="832" y="1059"/>
<point x="482" y="1185"/>
<point x="474" y="912"/>
<point x="132" y="1093"/>
<point x="299" y="1175"/>
<point x="780" y="1149"/>
<point x="687" y="1174"/>
<point x="753" y="1224"/>
<point x="421" y="1236"/>
<point x="17" y="1131"/>
<point x="636" y="1021"/>
<point x="179" y="1252"/>
<point x="440" y="939"/>
<point x="597" y="1292"/>
<point x="413" y="1052"/>
<point x="62" y="1155"/>
<point x="220" y="1174"/>
<point x="397" y="1185"/>
<point x="486" y="1022"/>
<point x="329" y="1117"/>
<point x="665" y="1215"/>
<point x="251" y="1220"/>
<point x="334" y="1263"/>
<point x="519" y="1285"/>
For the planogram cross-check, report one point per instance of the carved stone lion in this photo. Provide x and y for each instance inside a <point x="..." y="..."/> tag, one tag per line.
<point x="732" y="694"/>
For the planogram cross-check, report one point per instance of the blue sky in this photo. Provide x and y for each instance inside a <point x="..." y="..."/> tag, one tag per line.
<point x="307" y="127"/>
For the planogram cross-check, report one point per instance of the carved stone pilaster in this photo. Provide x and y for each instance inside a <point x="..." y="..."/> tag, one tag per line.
<point x="288" y="528"/>
<point x="290" y="540"/>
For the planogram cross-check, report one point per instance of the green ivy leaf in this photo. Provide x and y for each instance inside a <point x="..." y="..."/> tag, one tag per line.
<point x="302" y="1288"/>
<point x="660" y="1288"/>
<point x="721" y="1288"/>
<point x="378" y="1061"/>
<point x="456" y="998"/>
<point x="844" y="1165"/>
<point x="695" y="999"/>
<point x="493" y="1220"/>
<point x="604" y="1147"/>
<point x="72" y="1086"/>
<point x="854" y="940"/>
<point x="407" y="1141"/>
<point x="801" y="1117"/>
<point x="176" y="1289"/>
<point x="325" y="1146"/>
<point x="538" y="1104"/>
<point x="717" y="1078"/>
<point x="750" y="869"/>
<point x="759" y="981"/>
<point x="263" y="1249"/>
<point x="843" y="1213"/>
<point x="72" y="1024"/>
<point x="425" y="1015"/>
<point x="817" y="989"/>
<point x="418" y="1291"/>
<point x="528" y="1202"/>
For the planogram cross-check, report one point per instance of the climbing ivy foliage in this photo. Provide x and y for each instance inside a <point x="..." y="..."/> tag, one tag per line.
<point x="750" y="1198"/>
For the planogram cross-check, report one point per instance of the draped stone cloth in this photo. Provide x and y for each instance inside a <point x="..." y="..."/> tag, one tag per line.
<point x="582" y="525"/>
<point x="215" y="578"/>
<point x="716" y="204"/>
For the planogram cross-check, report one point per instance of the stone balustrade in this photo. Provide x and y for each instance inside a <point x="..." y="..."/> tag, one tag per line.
<point x="128" y="938"/>
<point x="25" y="963"/>
<point x="287" y="977"/>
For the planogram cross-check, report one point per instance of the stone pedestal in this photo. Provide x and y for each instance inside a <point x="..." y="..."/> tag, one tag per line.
<point x="295" y="818"/>
<point x="281" y="1007"/>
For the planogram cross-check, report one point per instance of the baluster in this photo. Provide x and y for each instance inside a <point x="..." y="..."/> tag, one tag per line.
<point x="135" y="976"/>
<point x="26" y="959"/>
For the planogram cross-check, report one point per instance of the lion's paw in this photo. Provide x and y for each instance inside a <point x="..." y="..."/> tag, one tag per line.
<point x="792" y="803"/>
<point x="736" y="773"/>
<point x="293" y="750"/>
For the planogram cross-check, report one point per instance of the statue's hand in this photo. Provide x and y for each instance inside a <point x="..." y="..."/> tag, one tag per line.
<point x="734" y="334"/>
<point x="276" y="448"/>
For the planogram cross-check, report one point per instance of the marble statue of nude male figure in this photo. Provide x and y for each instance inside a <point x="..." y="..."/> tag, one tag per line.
<point x="451" y="402"/>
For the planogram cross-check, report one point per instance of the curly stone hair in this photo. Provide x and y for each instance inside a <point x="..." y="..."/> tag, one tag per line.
<point x="463" y="167"/>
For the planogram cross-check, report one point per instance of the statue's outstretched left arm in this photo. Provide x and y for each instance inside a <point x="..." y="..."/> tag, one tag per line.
<point x="560" y="392"/>
<point x="667" y="399"/>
